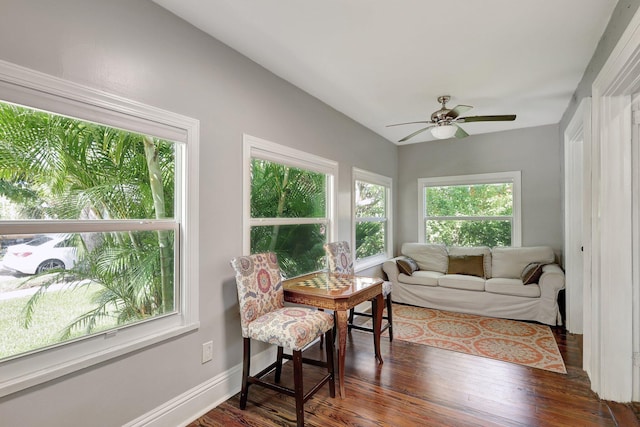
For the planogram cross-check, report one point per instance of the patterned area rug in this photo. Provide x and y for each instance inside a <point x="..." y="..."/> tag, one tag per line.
<point x="528" y="344"/>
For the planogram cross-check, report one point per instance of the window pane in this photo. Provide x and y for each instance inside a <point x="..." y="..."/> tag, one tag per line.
<point x="370" y="200"/>
<point x="54" y="167"/>
<point x="370" y="239"/>
<point x="280" y="191"/>
<point x="59" y="287"/>
<point x="469" y="233"/>
<point x="470" y="200"/>
<point x="299" y="247"/>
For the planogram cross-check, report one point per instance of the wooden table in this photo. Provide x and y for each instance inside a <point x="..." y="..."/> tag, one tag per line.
<point x="340" y="293"/>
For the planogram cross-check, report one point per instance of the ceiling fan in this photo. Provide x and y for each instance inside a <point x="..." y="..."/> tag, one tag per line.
<point x="444" y="122"/>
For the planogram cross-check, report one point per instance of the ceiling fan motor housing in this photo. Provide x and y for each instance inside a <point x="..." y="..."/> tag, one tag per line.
<point x="441" y="114"/>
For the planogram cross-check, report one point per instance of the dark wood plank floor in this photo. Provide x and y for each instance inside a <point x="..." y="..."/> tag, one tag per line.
<point x="424" y="386"/>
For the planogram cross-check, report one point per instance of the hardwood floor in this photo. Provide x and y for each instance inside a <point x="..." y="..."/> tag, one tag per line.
<point x="424" y="386"/>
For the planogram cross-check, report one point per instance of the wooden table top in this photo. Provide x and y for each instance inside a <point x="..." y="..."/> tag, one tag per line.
<point x="331" y="291"/>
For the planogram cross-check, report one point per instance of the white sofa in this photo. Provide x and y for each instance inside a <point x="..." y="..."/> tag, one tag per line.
<point x="479" y="280"/>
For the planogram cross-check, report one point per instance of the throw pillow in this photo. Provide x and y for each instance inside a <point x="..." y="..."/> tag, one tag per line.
<point x="532" y="273"/>
<point x="471" y="265"/>
<point x="407" y="266"/>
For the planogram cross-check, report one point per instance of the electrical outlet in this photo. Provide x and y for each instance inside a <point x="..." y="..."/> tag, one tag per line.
<point x="207" y="351"/>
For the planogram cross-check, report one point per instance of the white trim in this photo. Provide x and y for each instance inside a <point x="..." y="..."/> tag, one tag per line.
<point x="486" y="178"/>
<point x="267" y="150"/>
<point x="612" y="275"/>
<point x="574" y="190"/>
<point x="386" y="182"/>
<point x="635" y="151"/>
<point x="34" y="89"/>
<point x="183" y="409"/>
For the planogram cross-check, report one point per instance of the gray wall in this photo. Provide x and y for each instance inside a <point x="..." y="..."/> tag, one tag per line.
<point x="533" y="151"/>
<point x="140" y="51"/>
<point x="620" y="18"/>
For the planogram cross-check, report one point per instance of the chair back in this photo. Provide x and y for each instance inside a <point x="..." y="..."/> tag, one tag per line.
<point x="259" y="286"/>
<point x="339" y="257"/>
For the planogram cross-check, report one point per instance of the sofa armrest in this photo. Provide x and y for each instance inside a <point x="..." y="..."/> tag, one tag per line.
<point x="551" y="281"/>
<point x="391" y="268"/>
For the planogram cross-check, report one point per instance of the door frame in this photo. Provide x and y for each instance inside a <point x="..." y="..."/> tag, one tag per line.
<point x="613" y="282"/>
<point x="577" y="138"/>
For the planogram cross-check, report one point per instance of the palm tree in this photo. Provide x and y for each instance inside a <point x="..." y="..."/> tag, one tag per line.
<point x="281" y="191"/>
<point x="58" y="168"/>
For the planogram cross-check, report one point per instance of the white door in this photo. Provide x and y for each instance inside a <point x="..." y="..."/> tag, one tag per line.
<point x="635" y="153"/>
<point x="573" y="229"/>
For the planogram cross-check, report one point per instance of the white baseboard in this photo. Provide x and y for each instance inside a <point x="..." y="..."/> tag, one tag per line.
<point x="196" y="402"/>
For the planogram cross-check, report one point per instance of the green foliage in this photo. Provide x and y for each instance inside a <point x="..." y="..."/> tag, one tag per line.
<point x="54" y="167"/>
<point x="280" y="191"/>
<point x="299" y="247"/>
<point x="55" y="310"/>
<point x="370" y="239"/>
<point x="445" y="204"/>
<point x="370" y="203"/>
<point x="470" y="200"/>
<point x="469" y="233"/>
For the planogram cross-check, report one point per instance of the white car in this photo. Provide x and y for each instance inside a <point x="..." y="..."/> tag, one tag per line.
<point x="42" y="253"/>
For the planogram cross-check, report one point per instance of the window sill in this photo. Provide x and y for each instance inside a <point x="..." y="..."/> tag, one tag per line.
<point x="22" y="382"/>
<point x="369" y="262"/>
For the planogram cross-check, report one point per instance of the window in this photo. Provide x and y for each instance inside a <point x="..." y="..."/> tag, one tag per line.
<point x="288" y="205"/>
<point x="97" y="226"/>
<point x="372" y="218"/>
<point x="471" y="210"/>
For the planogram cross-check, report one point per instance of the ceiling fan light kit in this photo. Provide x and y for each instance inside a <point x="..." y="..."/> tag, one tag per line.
<point x="443" y="131"/>
<point x="443" y="122"/>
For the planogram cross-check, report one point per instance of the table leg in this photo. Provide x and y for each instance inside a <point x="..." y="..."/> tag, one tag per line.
<point x="378" y="306"/>
<point x="341" y="320"/>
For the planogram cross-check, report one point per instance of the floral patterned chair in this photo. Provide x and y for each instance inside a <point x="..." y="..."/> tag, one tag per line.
<point x="340" y="262"/>
<point x="263" y="317"/>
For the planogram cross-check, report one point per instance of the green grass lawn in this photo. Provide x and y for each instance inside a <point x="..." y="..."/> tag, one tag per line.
<point x="54" y="311"/>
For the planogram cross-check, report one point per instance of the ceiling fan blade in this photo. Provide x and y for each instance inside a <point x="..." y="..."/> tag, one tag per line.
<point x="503" y="118"/>
<point x="457" y="110"/>
<point x="414" y="134"/>
<point x="409" y="123"/>
<point x="460" y="133"/>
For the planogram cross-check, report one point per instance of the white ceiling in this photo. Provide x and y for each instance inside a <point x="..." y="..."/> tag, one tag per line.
<point x="382" y="62"/>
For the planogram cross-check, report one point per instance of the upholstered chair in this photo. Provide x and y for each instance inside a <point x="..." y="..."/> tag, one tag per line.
<point x="341" y="262"/>
<point x="264" y="317"/>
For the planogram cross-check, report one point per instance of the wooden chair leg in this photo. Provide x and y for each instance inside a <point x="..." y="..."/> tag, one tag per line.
<point x="279" y="364"/>
<point x="390" y="317"/>
<point x="246" y="362"/>
<point x="330" y="363"/>
<point x="297" y="386"/>
<point x="351" y="316"/>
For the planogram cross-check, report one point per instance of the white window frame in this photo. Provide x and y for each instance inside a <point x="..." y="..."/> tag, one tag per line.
<point x="513" y="177"/>
<point x="33" y="89"/>
<point x="271" y="151"/>
<point x="387" y="183"/>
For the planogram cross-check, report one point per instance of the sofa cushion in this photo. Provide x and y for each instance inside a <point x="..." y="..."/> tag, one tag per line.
<point x="430" y="257"/>
<point x="461" y="281"/>
<point x="474" y="250"/>
<point x="421" y="278"/>
<point x="531" y="273"/>
<point x="509" y="262"/>
<point x="407" y="266"/>
<point x="511" y="287"/>
<point x="472" y="265"/>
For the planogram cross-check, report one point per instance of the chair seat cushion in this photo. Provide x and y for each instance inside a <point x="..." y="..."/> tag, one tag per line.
<point x="290" y="327"/>
<point x="387" y="287"/>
